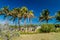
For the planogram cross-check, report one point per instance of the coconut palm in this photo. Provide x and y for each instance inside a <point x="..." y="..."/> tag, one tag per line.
<point x="11" y="13"/>
<point x="14" y="13"/>
<point x="5" y="12"/>
<point x="19" y="16"/>
<point x="30" y="16"/>
<point x="19" y="20"/>
<point x="45" y="15"/>
<point x="5" y="9"/>
<point x="24" y="11"/>
<point x="57" y="16"/>
<point x="17" y="13"/>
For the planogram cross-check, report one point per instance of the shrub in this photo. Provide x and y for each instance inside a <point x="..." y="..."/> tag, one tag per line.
<point x="57" y="30"/>
<point x="46" y="28"/>
<point x="38" y="30"/>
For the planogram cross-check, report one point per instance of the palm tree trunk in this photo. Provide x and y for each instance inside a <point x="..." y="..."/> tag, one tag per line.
<point x="19" y="24"/>
<point x="15" y="26"/>
<point x="47" y="21"/>
<point x="7" y="24"/>
<point x="30" y="20"/>
<point x="25" y="25"/>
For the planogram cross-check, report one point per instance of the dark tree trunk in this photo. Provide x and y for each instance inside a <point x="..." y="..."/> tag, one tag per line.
<point x="47" y="21"/>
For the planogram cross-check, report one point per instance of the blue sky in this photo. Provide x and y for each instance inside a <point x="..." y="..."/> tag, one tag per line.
<point x="36" y="5"/>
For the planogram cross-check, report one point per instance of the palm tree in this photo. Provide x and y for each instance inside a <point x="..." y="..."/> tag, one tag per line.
<point x="19" y="19"/>
<point x="57" y="16"/>
<point x="30" y="16"/>
<point x="45" y="15"/>
<point x="24" y="11"/>
<point x="19" y="16"/>
<point x="5" y="12"/>
<point x="14" y="13"/>
<point x="17" y="13"/>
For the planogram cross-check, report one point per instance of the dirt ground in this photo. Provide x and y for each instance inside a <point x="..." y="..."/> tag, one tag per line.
<point x="41" y="36"/>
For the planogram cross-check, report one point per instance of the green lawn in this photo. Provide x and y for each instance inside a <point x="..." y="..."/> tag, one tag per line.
<point x="41" y="36"/>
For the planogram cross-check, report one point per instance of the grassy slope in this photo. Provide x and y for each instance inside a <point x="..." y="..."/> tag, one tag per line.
<point x="41" y="36"/>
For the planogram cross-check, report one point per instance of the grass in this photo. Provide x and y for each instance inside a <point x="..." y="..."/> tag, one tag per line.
<point x="28" y="32"/>
<point x="41" y="36"/>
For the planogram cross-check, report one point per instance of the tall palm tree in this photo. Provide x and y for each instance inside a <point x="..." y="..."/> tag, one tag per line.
<point x="45" y="15"/>
<point x="14" y="13"/>
<point x="19" y="19"/>
<point x="6" y="12"/>
<point x="17" y="13"/>
<point x="19" y="16"/>
<point x="24" y="11"/>
<point x="30" y="16"/>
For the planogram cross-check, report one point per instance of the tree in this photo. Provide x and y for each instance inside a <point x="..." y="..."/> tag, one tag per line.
<point x="19" y="16"/>
<point x="57" y="16"/>
<point x="30" y="16"/>
<point x="11" y="13"/>
<point x="24" y="11"/>
<point x="15" y="13"/>
<point x="5" y="12"/>
<point x="45" y="15"/>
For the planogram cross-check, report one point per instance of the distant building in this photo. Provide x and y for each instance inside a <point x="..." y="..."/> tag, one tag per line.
<point x="38" y="27"/>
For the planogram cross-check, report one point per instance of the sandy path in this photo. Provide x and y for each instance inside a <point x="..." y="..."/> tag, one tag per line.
<point x="41" y="36"/>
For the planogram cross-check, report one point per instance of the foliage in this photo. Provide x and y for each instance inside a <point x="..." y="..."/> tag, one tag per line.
<point x="45" y="15"/>
<point x="57" y="25"/>
<point x="57" y="16"/>
<point x="57" y="30"/>
<point x="46" y="28"/>
<point x="9" y="35"/>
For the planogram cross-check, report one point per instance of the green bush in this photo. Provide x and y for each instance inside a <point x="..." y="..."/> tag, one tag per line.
<point x="46" y="28"/>
<point x="38" y="30"/>
<point x="57" y="30"/>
